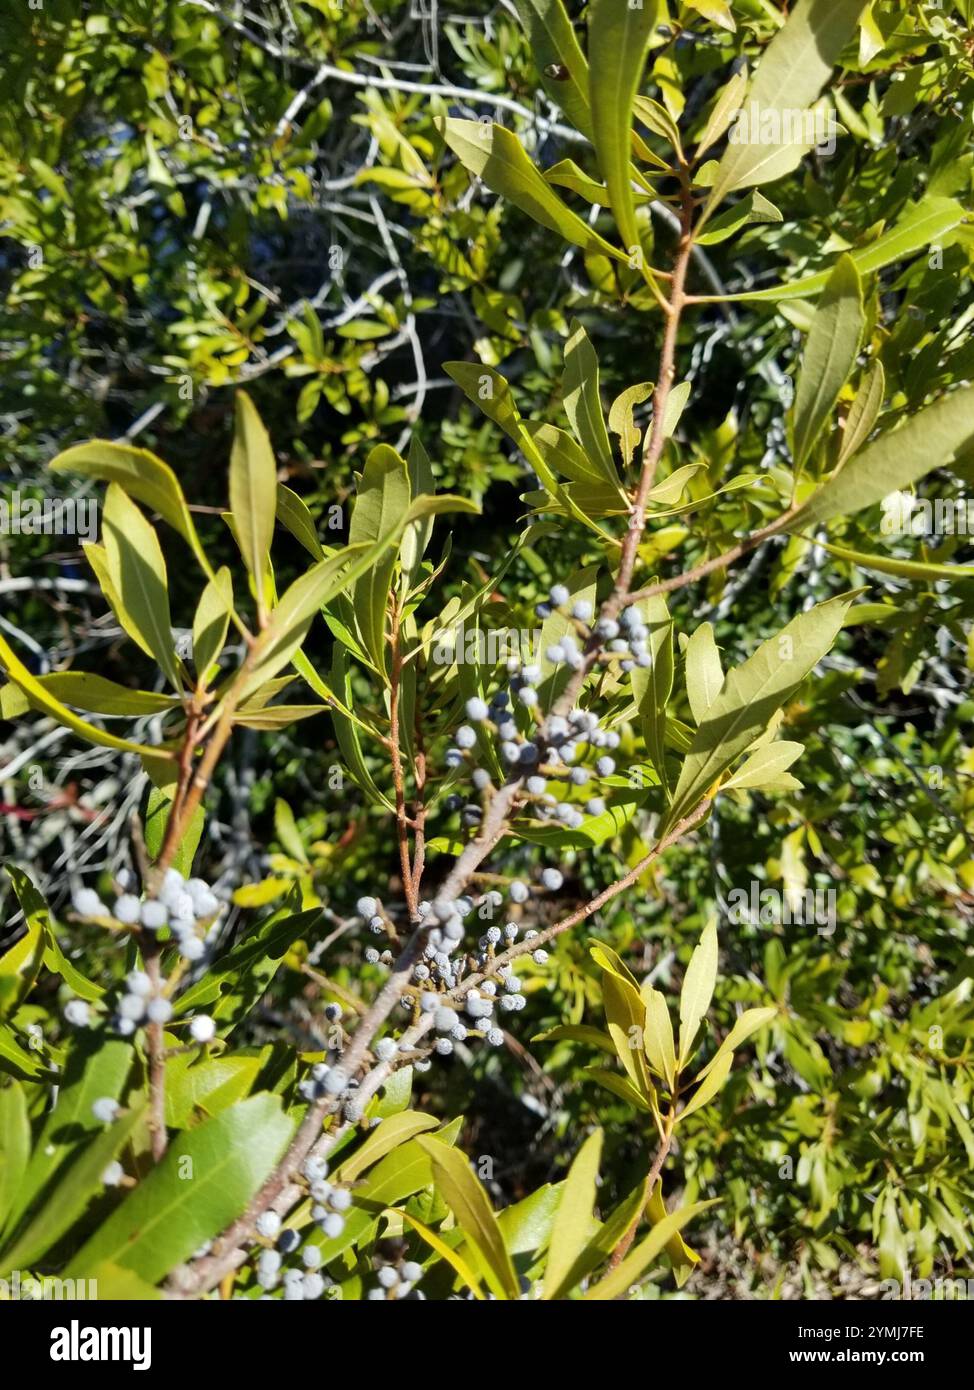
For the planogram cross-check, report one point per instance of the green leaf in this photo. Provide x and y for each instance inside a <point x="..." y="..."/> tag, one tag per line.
<point x="618" y="42"/>
<point x="917" y="571"/>
<point x="698" y="990"/>
<point x="625" y="1017"/>
<point x="754" y="208"/>
<point x="793" y="70"/>
<point x="583" y="405"/>
<point x="864" y="411"/>
<point x="619" y="1280"/>
<point x="383" y="497"/>
<point x="346" y="730"/>
<point x="386" y="1136"/>
<point x="14" y="1145"/>
<point x="753" y="692"/>
<point x="749" y="1022"/>
<point x="98" y="695"/>
<point x="253" y="488"/>
<point x="416" y="536"/>
<point x="682" y="1258"/>
<point x="454" y="1259"/>
<point x="894" y="1255"/>
<point x="935" y="437"/>
<point x="578" y="1032"/>
<point x="71" y="1196"/>
<point x="561" y="453"/>
<point x="294" y="516"/>
<point x="497" y="156"/>
<point x="142" y="476"/>
<point x="829" y="357"/>
<point x="236" y="981"/>
<point x="725" y="108"/>
<point x="15" y="1060"/>
<point x="286" y="830"/>
<point x="921" y="225"/>
<point x="574" y="1221"/>
<point x="612" y="962"/>
<point x="158" y="808"/>
<point x="652" y="686"/>
<point x="95" y="1067"/>
<point x="621" y="421"/>
<point x="211" y="621"/>
<point x="620" y="1086"/>
<point x="658" y="1035"/>
<point x="711" y="1084"/>
<point x="468" y="1201"/>
<point x="291" y="617"/>
<point x="198" y="1086"/>
<point x="36" y="912"/>
<point x="556" y="49"/>
<point x="765" y="766"/>
<point x="705" y="675"/>
<point x="41" y="698"/>
<point x="19" y="965"/>
<point x="205" y="1181"/>
<point x="138" y="574"/>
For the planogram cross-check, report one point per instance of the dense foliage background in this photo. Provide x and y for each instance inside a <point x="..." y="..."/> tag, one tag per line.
<point x="196" y="197"/>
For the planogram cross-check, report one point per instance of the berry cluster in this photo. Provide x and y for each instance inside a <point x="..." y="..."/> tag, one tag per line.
<point x="395" y="1283"/>
<point x="181" y="905"/>
<point x="302" y="1281"/>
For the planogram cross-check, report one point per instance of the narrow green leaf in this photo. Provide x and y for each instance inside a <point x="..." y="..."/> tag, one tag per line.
<point x="98" y="695"/>
<point x="560" y="60"/>
<point x="921" y="225"/>
<point x="766" y="765"/>
<point x="95" y="1067"/>
<point x="287" y="831"/>
<point x="386" y="1136"/>
<point x="705" y="675"/>
<point x="682" y="1258"/>
<point x="864" y="411"/>
<point x="497" y="156"/>
<point x="211" y="621"/>
<point x="383" y="497"/>
<point x="205" y="1181"/>
<point x="652" y="686"/>
<point x="253" y="487"/>
<point x="829" y="357"/>
<point x="294" y="516"/>
<point x="468" y="1201"/>
<point x="711" y="1084"/>
<point x="583" y="405"/>
<point x="138" y="574"/>
<point x="749" y="1022"/>
<point x="658" y="1035"/>
<point x="572" y="1229"/>
<point x="14" y="1145"/>
<point x="41" y="698"/>
<point x="454" y="1259"/>
<point x="935" y="437"/>
<point x="620" y="1280"/>
<point x="68" y="1200"/>
<point x="618" y="42"/>
<point x="142" y="476"/>
<point x="698" y="989"/>
<point x="621" y="417"/>
<point x="917" y="571"/>
<point x="793" y="70"/>
<point x="753" y="692"/>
